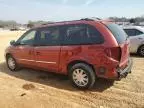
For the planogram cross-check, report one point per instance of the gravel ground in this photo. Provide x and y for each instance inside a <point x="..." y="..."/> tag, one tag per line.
<point x="36" y="89"/>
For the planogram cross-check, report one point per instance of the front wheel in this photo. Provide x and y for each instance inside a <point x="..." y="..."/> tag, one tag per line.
<point x="11" y="63"/>
<point x="82" y="76"/>
<point x="141" y="51"/>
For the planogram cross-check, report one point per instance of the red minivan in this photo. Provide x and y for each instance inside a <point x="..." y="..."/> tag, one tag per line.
<point x="84" y="50"/>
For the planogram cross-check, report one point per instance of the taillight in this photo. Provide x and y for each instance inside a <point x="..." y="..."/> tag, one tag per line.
<point x="114" y="52"/>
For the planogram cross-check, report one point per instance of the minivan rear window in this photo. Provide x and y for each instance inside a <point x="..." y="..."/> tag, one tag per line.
<point x="118" y="33"/>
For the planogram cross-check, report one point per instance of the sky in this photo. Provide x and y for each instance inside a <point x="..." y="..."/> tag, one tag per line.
<point x="59" y="10"/>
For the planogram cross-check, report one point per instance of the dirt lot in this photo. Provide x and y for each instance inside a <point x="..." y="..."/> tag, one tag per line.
<point x="36" y="89"/>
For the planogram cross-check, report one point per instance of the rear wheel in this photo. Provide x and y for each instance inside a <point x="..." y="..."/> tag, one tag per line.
<point x="11" y="63"/>
<point x="82" y="76"/>
<point x="141" y="50"/>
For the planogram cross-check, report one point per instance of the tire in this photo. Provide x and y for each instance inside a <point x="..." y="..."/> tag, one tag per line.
<point x="82" y="76"/>
<point x="11" y="63"/>
<point x="141" y="51"/>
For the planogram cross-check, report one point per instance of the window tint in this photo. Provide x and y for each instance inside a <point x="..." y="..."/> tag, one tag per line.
<point x="94" y="35"/>
<point x="130" y="32"/>
<point x="81" y="34"/>
<point x="48" y="36"/>
<point x="138" y="32"/>
<point x="27" y="38"/>
<point x="118" y="32"/>
<point x="133" y="32"/>
<point x="75" y="34"/>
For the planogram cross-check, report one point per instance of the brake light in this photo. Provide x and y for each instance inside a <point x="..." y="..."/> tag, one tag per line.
<point x="114" y="52"/>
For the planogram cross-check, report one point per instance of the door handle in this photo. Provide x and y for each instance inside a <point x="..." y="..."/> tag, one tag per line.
<point x="38" y="53"/>
<point x="30" y="52"/>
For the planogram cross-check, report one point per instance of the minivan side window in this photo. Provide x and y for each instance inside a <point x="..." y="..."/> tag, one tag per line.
<point x="81" y="34"/>
<point x="95" y="37"/>
<point x="28" y="38"/>
<point x="74" y="35"/>
<point x="48" y="36"/>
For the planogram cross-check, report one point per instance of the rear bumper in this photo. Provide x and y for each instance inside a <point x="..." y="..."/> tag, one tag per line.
<point x="122" y="73"/>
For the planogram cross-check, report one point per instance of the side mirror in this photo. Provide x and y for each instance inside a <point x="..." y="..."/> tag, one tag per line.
<point x="12" y="42"/>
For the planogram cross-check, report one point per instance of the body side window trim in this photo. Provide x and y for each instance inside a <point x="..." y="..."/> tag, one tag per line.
<point x="37" y="61"/>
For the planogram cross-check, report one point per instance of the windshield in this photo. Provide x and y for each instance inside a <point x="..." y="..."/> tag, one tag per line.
<point x="118" y="33"/>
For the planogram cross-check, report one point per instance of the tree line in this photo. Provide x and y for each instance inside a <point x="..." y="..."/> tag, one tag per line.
<point x="131" y="20"/>
<point x="10" y="23"/>
<point x="30" y="24"/>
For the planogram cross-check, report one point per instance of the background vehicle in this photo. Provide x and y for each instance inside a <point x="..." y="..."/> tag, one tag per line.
<point x="83" y="49"/>
<point x="136" y="36"/>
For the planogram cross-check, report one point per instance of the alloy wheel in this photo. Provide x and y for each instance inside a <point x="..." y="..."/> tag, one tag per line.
<point x="11" y="63"/>
<point x="80" y="77"/>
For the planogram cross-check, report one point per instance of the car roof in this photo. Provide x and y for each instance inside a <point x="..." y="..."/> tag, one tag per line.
<point x="81" y="21"/>
<point x="134" y="27"/>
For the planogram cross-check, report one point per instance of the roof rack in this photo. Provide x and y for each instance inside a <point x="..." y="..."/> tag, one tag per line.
<point x="59" y="22"/>
<point x="85" y="19"/>
<point x="91" y="19"/>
